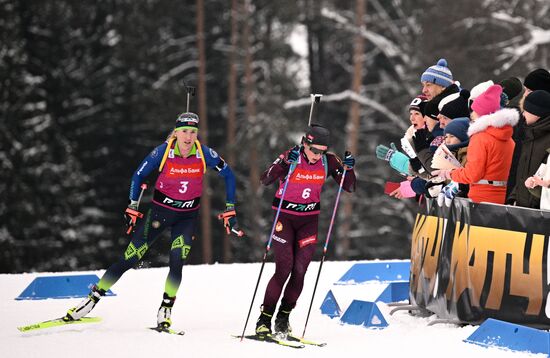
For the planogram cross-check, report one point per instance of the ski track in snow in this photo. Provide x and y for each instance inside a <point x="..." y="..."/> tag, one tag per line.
<point x="212" y="304"/>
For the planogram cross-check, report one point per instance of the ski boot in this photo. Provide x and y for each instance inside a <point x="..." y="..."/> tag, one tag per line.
<point x="282" y="326"/>
<point x="165" y="311"/>
<point x="86" y="306"/>
<point x="263" y="324"/>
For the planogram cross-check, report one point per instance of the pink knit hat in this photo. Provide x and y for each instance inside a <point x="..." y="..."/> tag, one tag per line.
<point x="488" y="102"/>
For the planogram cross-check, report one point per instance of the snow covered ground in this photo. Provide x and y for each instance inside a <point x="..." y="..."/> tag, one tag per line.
<point x="212" y="304"/>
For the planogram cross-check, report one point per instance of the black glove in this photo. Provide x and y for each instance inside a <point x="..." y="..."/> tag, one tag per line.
<point x="229" y="217"/>
<point x="416" y="164"/>
<point x="433" y="189"/>
<point x="349" y="160"/>
<point x="422" y="139"/>
<point x="131" y="215"/>
<point x="293" y="155"/>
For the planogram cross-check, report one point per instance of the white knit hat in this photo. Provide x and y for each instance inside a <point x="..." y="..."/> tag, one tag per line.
<point x="479" y="89"/>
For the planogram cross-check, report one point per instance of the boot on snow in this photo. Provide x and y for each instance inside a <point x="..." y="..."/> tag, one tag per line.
<point x="86" y="305"/>
<point x="263" y="324"/>
<point x="282" y="326"/>
<point x="165" y="311"/>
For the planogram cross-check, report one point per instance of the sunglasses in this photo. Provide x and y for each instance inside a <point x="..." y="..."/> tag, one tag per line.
<point x="316" y="150"/>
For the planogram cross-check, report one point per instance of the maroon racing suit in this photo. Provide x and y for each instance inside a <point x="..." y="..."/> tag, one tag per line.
<point x="296" y="230"/>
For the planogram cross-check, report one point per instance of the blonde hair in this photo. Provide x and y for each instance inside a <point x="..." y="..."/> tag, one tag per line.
<point x="171" y="135"/>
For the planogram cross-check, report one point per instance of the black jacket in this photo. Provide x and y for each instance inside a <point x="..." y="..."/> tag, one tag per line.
<point x="533" y="154"/>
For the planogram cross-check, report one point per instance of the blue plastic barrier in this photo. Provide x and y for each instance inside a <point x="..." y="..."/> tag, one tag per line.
<point x="330" y="306"/>
<point x="495" y="333"/>
<point x="395" y="292"/>
<point x="60" y="287"/>
<point x="376" y="271"/>
<point x="363" y="313"/>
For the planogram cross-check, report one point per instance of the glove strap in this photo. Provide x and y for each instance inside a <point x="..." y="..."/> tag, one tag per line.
<point x="227" y="214"/>
<point x="389" y="155"/>
<point x="133" y="204"/>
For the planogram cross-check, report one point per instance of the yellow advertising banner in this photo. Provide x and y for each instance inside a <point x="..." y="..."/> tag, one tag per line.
<point x="474" y="261"/>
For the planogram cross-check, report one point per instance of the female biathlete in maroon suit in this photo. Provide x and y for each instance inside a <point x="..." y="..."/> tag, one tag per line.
<point x="182" y="162"/>
<point x="295" y="232"/>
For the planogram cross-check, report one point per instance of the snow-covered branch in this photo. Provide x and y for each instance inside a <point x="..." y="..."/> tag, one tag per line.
<point x="350" y="95"/>
<point x="388" y="47"/>
<point x="174" y="72"/>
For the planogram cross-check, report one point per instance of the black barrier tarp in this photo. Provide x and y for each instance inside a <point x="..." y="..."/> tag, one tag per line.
<point x="475" y="261"/>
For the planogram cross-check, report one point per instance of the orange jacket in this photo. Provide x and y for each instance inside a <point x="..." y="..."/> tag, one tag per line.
<point x="489" y="156"/>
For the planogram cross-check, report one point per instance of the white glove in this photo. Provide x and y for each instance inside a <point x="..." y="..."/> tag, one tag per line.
<point x="447" y="194"/>
<point x="407" y="148"/>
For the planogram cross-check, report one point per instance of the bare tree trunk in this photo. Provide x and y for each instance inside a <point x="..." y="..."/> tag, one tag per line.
<point x="250" y="95"/>
<point x="232" y="106"/>
<point x="206" y="218"/>
<point x="352" y="127"/>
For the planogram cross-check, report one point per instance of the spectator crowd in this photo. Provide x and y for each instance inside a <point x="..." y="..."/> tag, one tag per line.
<point x="489" y="144"/>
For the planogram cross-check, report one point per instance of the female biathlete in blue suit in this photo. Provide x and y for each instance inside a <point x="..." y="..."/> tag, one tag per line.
<point x="182" y="162"/>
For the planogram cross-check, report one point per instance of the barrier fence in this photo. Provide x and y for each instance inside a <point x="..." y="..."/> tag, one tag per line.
<point x="471" y="261"/>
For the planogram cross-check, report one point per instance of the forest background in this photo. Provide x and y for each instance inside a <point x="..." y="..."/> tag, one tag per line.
<point x="87" y="89"/>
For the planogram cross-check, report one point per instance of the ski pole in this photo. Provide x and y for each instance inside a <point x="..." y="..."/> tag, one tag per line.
<point x="268" y="247"/>
<point x="190" y="92"/>
<point x="140" y="215"/>
<point x="143" y="188"/>
<point x="315" y="98"/>
<point x="326" y="246"/>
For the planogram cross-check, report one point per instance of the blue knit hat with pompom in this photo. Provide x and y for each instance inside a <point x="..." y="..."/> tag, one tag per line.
<point x="438" y="74"/>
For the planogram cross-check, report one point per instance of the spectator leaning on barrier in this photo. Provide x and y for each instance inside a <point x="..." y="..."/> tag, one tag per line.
<point x="427" y="141"/>
<point x="416" y="114"/>
<point x="538" y="79"/>
<point x="456" y="140"/>
<point x="514" y="90"/>
<point x="418" y="123"/>
<point x="398" y="161"/>
<point x="541" y="180"/>
<point x="437" y="83"/>
<point x="453" y="106"/>
<point x="490" y="149"/>
<point x="533" y="153"/>
<point x="435" y="79"/>
<point x="477" y="90"/>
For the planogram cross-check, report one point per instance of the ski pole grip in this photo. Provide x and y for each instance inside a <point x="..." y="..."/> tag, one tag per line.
<point x="346" y="153"/>
<point x="317" y="97"/>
